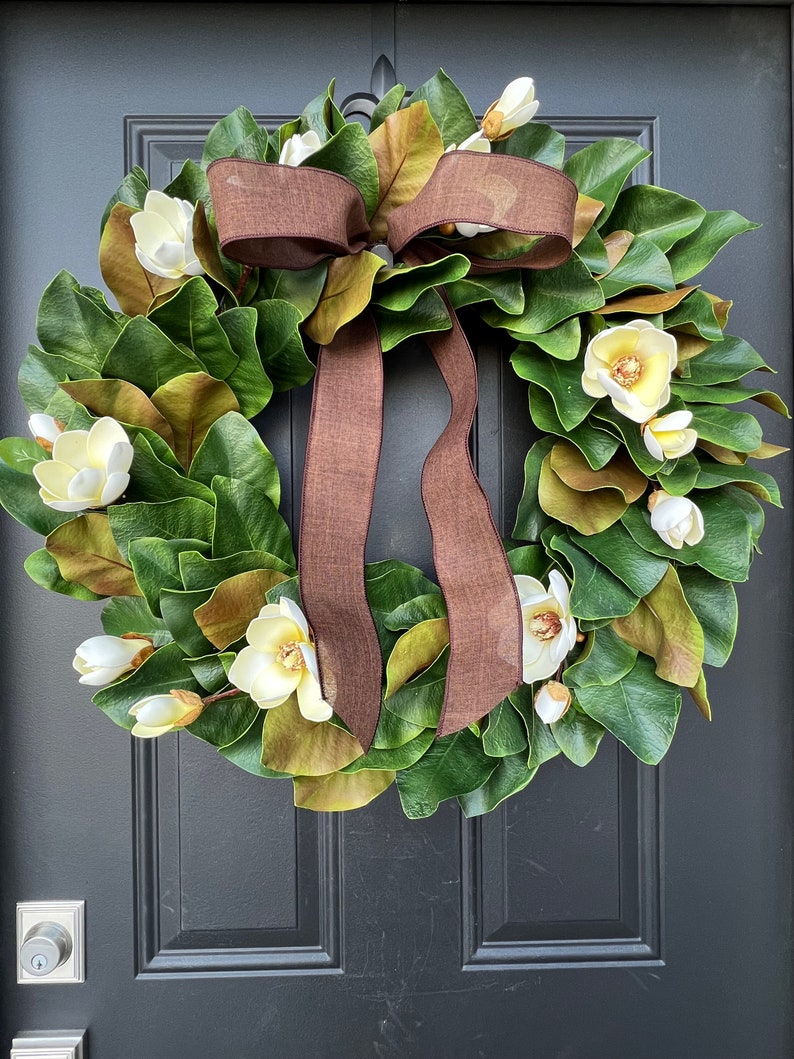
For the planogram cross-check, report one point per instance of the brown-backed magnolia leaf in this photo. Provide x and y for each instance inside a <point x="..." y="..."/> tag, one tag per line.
<point x="766" y="451"/>
<point x="617" y="245"/>
<point x="568" y="462"/>
<point x="646" y="304"/>
<point x="415" y="650"/>
<point x="132" y="286"/>
<point x="86" y="554"/>
<point x="664" y="627"/>
<point x="191" y="403"/>
<point x="339" y="791"/>
<point x="587" y="211"/>
<point x="121" y="400"/>
<point x="721" y="307"/>
<point x="689" y="345"/>
<point x="700" y="696"/>
<point x="347" y="292"/>
<point x="723" y="455"/>
<point x="206" y="248"/>
<point x="587" y="512"/>
<point x="406" y="147"/>
<point x="293" y="745"/>
<point x="233" y="604"/>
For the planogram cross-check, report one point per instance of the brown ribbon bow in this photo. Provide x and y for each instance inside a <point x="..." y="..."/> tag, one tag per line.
<point x="286" y="217"/>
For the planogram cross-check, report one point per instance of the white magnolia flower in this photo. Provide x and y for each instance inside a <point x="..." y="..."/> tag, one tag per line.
<point x="476" y="142"/>
<point x="158" y="714"/>
<point x="44" y="429"/>
<point x="632" y="365"/>
<point x="280" y="659"/>
<point x="668" y="437"/>
<point x="549" y="629"/>
<point x="552" y="701"/>
<point x="88" y="469"/>
<point x="103" y="659"/>
<point x="164" y="236"/>
<point x="299" y="147"/>
<point x="515" y="107"/>
<point x="676" y="519"/>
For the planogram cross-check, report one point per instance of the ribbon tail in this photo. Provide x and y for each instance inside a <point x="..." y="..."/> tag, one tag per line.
<point x="485" y="624"/>
<point x="342" y="456"/>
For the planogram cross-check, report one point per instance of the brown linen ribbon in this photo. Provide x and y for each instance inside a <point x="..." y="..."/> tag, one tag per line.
<point x="285" y="217"/>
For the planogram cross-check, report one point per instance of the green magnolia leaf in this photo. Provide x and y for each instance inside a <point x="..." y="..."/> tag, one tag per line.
<point x="605" y="660"/>
<point x="596" y="445"/>
<point x="42" y="568"/>
<point x="562" y="341"/>
<point x="641" y="710"/>
<point x="419" y="701"/>
<point x="419" y="609"/>
<point x="86" y="554"/>
<point x="510" y="776"/>
<point x="225" y="721"/>
<point x="246" y="752"/>
<point x="302" y="289"/>
<point x="454" y="765"/>
<point x="726" y="548"/>
<point x="348" y="152"/>
<point x="390" y="102"/>
<point x="551" y="296"/>
<point x="170" y="520"/>
<point x="696" y="312"/>
<point x="399" y="288"/>
<point x="399" y="757"/>
<point x="393" y="732"/>
<point x="131" y="614"/>
<point x="132" y="191"/>
<point x="691" y="254"/>
<point x="578" y="736"/>
<point x="339" y="791"/>
<point x="227" y="134"/>
<point x="661" y="216"/>
<point x="530" y="560"/>
<point x="71" y="325"/>
<point x="19" y="490"/>
<point x="759" y="483"/>
<point x="643" y="265"/>
<point x="595" y="593"/>
<point x="536" y="141"/>
<point x="190" y="320"/>
<point x="541" y="744"/>
<point x="178" y="611"/>
<point x="122" y="401"/>
<point x="154" y="481"/>
<point x="280" y="344"/>
<point x="738" y="431"/>
<point x="713" y="602"/>
<point x="726" y="360"/>
<point x="562" y="379"/>
<point x="155" y="563"/>
<point x="197" y="571"/>
<point x="146" y="357"/>
<point x="211" y="671"/>
<point x="163" y="671"/>
<point x="531" y="519"/>
<point x="505" y="733"/>
<point x="246" y="519"/>
<point x="727" y="393"/>
<point x="429" y="313"/>
<point x="617" y="550"/>
<point x="601" y="169"/>
<point x="504" y="289"/>
<point x="233" y="449"/>
<point x="448" y="107"/>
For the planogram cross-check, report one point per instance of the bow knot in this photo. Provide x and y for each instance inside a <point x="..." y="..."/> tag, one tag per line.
<point x="286" y="217"/>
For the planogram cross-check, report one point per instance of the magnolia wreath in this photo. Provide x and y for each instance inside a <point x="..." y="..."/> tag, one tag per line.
<point x="308" y="254"/>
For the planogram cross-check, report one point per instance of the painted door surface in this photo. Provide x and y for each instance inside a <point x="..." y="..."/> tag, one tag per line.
<point x="612" y="912"/>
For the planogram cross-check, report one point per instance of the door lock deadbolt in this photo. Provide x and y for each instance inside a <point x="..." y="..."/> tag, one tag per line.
<point x="45" y="947"/>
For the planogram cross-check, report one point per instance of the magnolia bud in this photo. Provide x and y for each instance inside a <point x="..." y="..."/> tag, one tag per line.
<point x="552" y="701"/>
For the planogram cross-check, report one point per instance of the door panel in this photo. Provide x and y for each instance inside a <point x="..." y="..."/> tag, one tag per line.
<point x="613" y="911"/>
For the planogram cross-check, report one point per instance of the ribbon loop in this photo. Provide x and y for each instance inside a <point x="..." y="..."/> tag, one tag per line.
<point x="294" y="217"/>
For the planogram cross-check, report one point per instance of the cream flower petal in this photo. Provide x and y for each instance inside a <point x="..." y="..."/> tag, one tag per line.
<point x="157" y="710"/>
<point x="559" y="589"/>
<point x="529" y="588"/>
<point x="150" y="266"/>
<point x="95" y="678"/>
<point x="174" y="211"/>
<point x="310" y="700"/>
<point x="613" y="343"/>
<point x="247" y="666"/>
<point x="145" y="731"/>
<point x="310" y="658"/>
<point x="293" y="611"/>
<point x="104" y="650"/>
<point x="653" y="380"/>
<point x="274" y="684"/>
<point x="268" y="634"/>
<point x="152" y="230"/>
<point x="119" y="459"/>
<point x="113" y="488"/>
<point x="71" y="447"/>
<point x="86" y="485"/>
<point x="53" y="476"/>
<point x="652" y="341"/>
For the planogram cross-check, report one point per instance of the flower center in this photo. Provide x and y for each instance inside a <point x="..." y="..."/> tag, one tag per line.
<point x="627" y="370"/>
<point x="545" y="626"/>
<point x="291" y="656"/>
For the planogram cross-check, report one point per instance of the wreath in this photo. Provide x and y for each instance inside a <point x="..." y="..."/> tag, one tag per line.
<point x="309" y="254"/>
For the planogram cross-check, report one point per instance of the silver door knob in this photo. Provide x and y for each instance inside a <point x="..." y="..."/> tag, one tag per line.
<point x="46" y="946"/>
